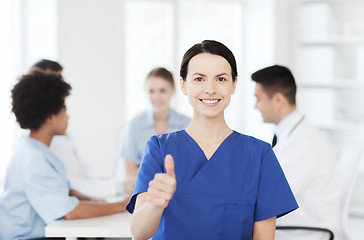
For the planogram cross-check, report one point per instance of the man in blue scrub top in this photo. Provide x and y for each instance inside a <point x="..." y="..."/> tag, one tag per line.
<point x="36" y="187"/>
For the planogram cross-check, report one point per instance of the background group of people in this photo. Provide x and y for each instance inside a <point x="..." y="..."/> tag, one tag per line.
<point x="196" y="179"/>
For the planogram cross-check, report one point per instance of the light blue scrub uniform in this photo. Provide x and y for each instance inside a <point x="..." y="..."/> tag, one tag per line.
<point x="219" y="198"/>
<point x="36" y="192"/>
<point x="139" y="130"/>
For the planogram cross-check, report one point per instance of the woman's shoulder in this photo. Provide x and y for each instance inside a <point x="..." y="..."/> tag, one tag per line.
<point x="140" y="116"/>
<point x="169" y="138"/>
<point x="139" y="120"/>
<point x="251" y="142"/>
<point x="30" y="153"/>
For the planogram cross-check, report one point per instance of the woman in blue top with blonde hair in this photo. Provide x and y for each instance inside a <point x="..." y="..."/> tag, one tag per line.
<point x="208" y="181"/>
<point x="161" y="118"/>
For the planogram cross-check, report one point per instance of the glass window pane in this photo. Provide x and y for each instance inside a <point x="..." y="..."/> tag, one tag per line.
<point x="149" y="44"/>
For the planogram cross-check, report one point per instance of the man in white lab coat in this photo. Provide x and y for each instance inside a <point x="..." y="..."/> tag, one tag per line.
<point x="307" y="159"/>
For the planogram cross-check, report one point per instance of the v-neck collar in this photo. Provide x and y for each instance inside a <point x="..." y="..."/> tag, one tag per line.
<point x="199" y="147"/>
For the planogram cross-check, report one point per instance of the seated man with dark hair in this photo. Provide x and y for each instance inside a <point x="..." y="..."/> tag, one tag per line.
<point x="36" y="187"/>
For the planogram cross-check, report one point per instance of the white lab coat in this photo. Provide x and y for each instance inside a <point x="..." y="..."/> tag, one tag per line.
<point x="310" y="165"/>
<point x="82" y="177"/>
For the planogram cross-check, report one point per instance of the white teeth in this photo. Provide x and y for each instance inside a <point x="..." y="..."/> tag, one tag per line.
<point x="210" y="101"/>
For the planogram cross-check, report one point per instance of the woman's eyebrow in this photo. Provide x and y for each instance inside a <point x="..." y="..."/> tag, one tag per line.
<point x="218" y="75"/>
<point x="221" y="74"/>
<point x="200" y="74"/>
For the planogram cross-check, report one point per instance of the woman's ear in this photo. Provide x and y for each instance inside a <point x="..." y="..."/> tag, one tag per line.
<point x="49" y="120"/>
<point x="182" y="83"/>
<point x="234" y="84"/>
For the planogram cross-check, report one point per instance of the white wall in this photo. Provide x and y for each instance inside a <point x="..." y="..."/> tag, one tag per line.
<point x="258" y="52"/>
<point x="91" y="50"/>
<point x="7" y="55"/>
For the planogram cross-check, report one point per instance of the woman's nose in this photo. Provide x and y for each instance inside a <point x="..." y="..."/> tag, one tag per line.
<point x="210" y="87"/>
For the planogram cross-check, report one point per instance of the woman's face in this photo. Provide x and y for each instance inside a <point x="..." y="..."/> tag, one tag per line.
<point x="160" y="92"/>
<point x="209" y="84"/>
<point x="60" y="122"/>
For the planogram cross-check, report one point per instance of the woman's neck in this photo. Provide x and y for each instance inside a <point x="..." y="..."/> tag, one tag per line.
<point x="208" y="129"/>
<point x="162" y="116"/>
<point x="42" y="136"/>
<point x="161" y="121"/>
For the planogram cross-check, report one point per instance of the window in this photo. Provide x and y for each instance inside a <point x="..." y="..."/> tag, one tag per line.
<point x="28" y="34"/>
<point x="7" y="8"/>
<point x="149" y="44"/>
<point x="159" y="32"/>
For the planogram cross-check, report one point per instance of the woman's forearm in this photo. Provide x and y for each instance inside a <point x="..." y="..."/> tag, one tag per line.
<point x="150" y="205"/>
<point x="145" y="221"/>
<point x="87" y="209"/>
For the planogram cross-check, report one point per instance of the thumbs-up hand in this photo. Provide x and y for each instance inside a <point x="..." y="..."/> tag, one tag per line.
<point x="169" y="165"/>
<point x="163" y="186"/>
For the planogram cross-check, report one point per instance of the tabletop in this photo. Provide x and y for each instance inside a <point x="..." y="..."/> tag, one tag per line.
<point x="115" y="225"/>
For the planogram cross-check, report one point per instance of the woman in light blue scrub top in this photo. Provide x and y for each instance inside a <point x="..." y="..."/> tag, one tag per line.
<point x="160" y="119"/>
<point x="37" y="190"/>
<point x="208" y="181"/>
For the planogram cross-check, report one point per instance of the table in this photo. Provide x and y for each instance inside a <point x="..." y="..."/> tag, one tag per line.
<point x="115" y="225"/>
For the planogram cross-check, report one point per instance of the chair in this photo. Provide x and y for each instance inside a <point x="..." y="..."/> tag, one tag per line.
<point x="348" y="171"/>
<point x="317" y="229"/>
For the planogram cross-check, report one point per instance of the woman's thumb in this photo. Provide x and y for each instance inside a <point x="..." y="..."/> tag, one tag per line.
<point x="169" y="165"/>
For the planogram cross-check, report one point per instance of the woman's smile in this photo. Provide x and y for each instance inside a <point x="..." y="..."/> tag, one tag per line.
<point x="210" y="102"/>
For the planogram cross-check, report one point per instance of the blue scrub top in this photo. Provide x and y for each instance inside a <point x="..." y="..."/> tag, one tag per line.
<point x="36" y="192"/>
<point x="219" y="198"/>
<point x="139" y="130"/>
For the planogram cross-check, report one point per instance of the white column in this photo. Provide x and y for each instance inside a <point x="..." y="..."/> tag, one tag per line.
<point x="91" y="48"/>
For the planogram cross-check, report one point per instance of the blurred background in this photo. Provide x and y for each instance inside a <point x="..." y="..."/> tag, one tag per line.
<point x="108" y="47"/>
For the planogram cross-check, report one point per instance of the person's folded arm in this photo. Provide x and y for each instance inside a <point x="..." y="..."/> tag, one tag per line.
<point x="265" y="229"/>
<point x="80" y="196"/>
<point x="131" y="167"/>
<point x="87" y="209"/>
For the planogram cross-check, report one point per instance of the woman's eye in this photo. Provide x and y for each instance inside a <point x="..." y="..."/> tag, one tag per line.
<point x="199" y="79"/>
<point x="221" y="79"/>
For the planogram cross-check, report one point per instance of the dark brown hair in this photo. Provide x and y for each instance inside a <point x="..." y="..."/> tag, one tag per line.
<point x="36" y="97"/>
<point x="277" y="79"/>
<point x="212" y="47"/>
<point x="162" y="73"/>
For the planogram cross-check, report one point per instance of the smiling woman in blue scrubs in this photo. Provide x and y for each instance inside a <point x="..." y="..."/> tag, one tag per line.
<point x="208" y="181"/>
